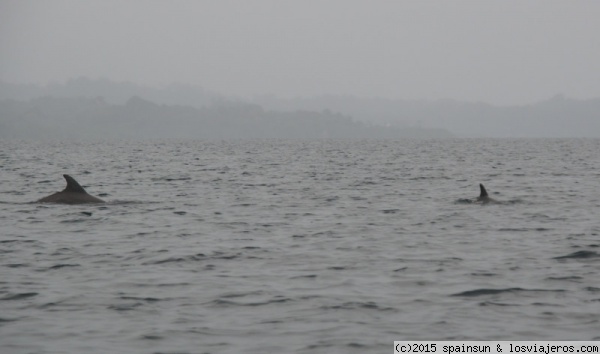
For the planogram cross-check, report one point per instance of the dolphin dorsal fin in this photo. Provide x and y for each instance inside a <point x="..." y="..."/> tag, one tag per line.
<point x="73" y="186"/>
<point x="483" y="191"/>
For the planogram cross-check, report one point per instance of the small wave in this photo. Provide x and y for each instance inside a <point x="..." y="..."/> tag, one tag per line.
<point x="195" y="258"/>
<point x="49" y="304"/>
<point x="309" y="276"/>
<point x="220" y="255"/>
<point x="177" y="259"/>
<point x="245" y="205"/>
<point x="420" y="178"/>
<point x="497" y="202"/>
<point x="15" y="203"/>
<point x="250" y="293"/>
<point x="370" y="305"/>
<point x="336" y="268"/>
<point x="491" y="303"/>
<point x="330" y="199"/>
<point x="19" y="296"/>
<point x="480" y="292"/>
<point x="545" y="304"/>
<point x="356" y="345"/>
<point x="124" y="307"/>
<point x="565" y="278"/>
<point x="580" y="255"/>
<point x="318" y="347"/>
<point x="58" y="266"/>
<point x="19" y="241"/>
<point x="364" y="183"/>
<point x="464" y="201"/>
<point x="515" y="201"/>
<point x="16" y="265"/>
<point x="171" y="179"/>
<point x="146" y="299"/>
<point x="73" y="221"/>
<point x="276" y="300"/>
<point x="328" y="233"/>
<point x="164" y="285"/>
<point x="523" y="229"/>
<point x="151" y="337"/>
<point x="131" y="202"/>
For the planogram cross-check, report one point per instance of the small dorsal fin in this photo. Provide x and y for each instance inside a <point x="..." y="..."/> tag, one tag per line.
<point x="73" y="186"/>
<point x="483" y="191"/>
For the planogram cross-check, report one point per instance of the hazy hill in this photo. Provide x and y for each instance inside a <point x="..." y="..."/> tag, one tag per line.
<point x="82" y="118"/>
<point x="113" y="92"/>
<point x="556" y="117"/>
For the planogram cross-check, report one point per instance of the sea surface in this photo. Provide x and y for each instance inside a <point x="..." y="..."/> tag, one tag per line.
<point x="318" y="246"/>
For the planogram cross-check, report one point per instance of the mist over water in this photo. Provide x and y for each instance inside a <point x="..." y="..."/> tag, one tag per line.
<point x="297" y="246"/>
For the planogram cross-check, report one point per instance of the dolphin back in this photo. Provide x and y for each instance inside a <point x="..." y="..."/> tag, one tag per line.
<point x="484" y="193"/>
<point x="73" y="186"/>
<point x="72" y="194"/>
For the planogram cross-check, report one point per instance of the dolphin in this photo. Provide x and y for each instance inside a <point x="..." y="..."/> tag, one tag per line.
<point x="72" y="194"/>
<point x="483" y="196"/>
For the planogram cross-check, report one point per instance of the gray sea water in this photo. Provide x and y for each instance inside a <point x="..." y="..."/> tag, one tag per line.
<point x="297" y="246"/>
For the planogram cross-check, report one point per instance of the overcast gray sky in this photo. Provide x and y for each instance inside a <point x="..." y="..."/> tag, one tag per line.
<point x="503" y="52"/>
